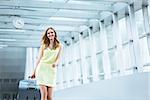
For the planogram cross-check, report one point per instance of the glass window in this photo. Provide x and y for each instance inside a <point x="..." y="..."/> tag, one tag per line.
<point x="99" y="57"/>
<point x="96" y="40"/>
<point x="122" y="29"/>
<point x="149" y="11"/>
<point x="89" y="67"/>
<point x="79" y="69"/>
<point x="100" y="62"/>
<point x="66" y="72"/>
<point x="144" y="51"/>
<point x="71" y="73"/>
<point x="112" y="57"/>
<point x="77" y="50"/>
<point x="126" y="56"/>
<point x="139" y="21"/>
<point x="110" y="36"/>
<point x="64" y="76"/>
<point x="87" y="47"/>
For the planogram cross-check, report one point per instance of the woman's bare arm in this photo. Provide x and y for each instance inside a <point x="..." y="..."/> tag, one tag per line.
<point x="38" y="60"/>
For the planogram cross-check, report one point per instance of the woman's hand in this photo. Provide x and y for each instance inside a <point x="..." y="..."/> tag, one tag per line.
<point x="53" y="65"/>
<point x="32" y="76"/>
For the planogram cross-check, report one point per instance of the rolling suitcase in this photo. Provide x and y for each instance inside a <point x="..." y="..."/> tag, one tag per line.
<point x="28" y="90"/>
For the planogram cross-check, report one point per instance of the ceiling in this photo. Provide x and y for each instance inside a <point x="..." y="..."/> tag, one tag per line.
<point x="66" y="16"/>
<point x="22" y="23"/>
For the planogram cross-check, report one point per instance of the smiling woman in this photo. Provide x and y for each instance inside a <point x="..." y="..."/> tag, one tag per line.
<point x="45" y="71"/>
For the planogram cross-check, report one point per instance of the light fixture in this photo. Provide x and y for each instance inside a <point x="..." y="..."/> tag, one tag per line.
<point x="3" y="45"/>
<point x="9" y="40"/>
<point x="11" y="30"/>
<point x="66" y="19"/>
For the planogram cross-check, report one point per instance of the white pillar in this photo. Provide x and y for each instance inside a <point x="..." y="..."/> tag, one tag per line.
<point x="106" y="61"/>
<point x="83" y="62"/>
<point x="93" y="56"/>
<point x="35" y="56"/>
<point x="146" y="24"/>
<point x="74" y="64"/>
<point x="148" y="35"/>
<point x="78" y="65"/>
<point x="65" y="75"/>
<point x="59" y="77"/>
<point x="61" y="69"/>
<point x="71" y="64"/>
<point x="135" y="37"/>
<point x="61" y="74"/>
<point x="131" y="48"/>
<point x="120" y="63"/>
<point x="67" y="67"/>
<point x="29" y="63"/>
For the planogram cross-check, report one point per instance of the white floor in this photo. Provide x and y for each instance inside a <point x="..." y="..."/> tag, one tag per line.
<point x="131" y="87"/>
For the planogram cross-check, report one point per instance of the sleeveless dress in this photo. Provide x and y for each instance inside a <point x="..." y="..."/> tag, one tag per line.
<point x="45" y="73"/>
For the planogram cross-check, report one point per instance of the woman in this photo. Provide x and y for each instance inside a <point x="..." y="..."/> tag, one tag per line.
<point x="45" y="71"/>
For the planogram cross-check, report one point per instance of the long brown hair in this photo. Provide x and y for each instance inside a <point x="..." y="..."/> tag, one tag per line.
<point x="46" y="42"/>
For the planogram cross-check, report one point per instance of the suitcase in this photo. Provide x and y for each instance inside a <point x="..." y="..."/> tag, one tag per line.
<point x="28" y="90"/>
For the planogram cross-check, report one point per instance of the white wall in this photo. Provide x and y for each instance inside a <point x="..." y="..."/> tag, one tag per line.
<point x="132" y="87"/>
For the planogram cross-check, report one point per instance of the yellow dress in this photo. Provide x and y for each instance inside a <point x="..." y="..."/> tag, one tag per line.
<point x="45" y="73"/>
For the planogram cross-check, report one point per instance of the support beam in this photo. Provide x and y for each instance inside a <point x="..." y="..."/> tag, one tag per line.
<point x="93" y="66"/>
<point x="146" y="24"/>
<point x="118" y="41"/>
<point x="106" y="61"/>
<point x="136" y="45"/>
<point x="83" y="61"/>
<point x="131" y="48"/>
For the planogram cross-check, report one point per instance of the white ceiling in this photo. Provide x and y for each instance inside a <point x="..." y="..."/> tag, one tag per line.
<point x="66" y="16"/>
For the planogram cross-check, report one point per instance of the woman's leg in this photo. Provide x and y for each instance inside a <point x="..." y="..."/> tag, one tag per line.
<point x="49" y="93"/>
<point x="43" y="90"/>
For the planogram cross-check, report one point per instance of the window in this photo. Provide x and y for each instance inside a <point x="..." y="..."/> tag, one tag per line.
<point x="122" y="29"/>
<point x="97" y="42"/>
<point x="144" y="51"/>
<point x="126" y="56"/>
<point x="139" y="22"/>
<point x="110" y="36"/>
<point x="100" y="62"/>
<point x="112" y="57"/>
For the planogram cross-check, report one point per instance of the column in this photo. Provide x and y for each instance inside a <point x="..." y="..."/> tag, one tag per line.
<point x="59" y="76"/>
<point x="71" y="63"/>
<point x="60" y="71"/>
<point x="83" y="65"/>
<point x="67" y="65"/>
<point x="131" y="48"/>
<point x="29" y="63"/>
<point x="146" y="24"/>
<point x="136" y="45"/>
<point x="31" y="58"/>
<point x="120" y="63"/>
<point x="93" y="56"/>
<point x="35" y="56"/>
<point x="74" y="64"/>
<point x="65" y="77"/>
<point x="103" y="40"/>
